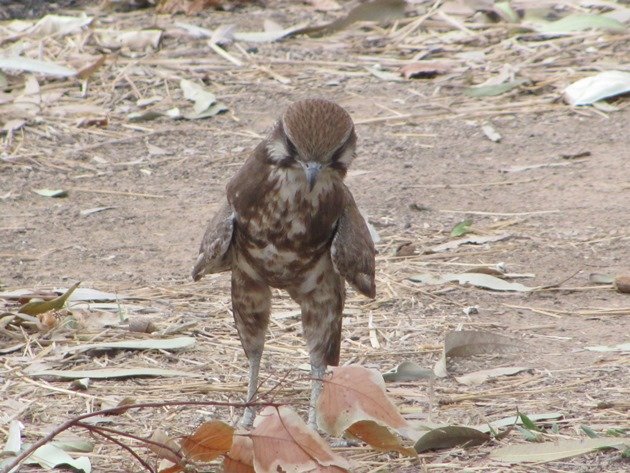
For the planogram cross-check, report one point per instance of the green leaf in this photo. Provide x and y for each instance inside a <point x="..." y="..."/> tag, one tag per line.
<point x="527" y="422"/>
<point x="588" y="431"/>
<point x="529" y="435"/>
<point x="506" y="11"/>
<point x="492" y="90"/>
<point x="461" y="228"/>
<point x="450" y="436"/>
<point x="39" y="307"/>
<point x="55" y="193"/>
<point x="552" y="451"/>
<point x="506" y="421"/>
<point x="581" y="22"/>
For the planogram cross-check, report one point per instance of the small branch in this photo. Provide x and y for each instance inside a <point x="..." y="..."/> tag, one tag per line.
<point x="123" y="446"/>
<point x="102" y="428"/>
<point x="117" y="411"/>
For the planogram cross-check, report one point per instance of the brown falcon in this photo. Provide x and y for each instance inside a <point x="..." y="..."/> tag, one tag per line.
<point x="291" y="223"/>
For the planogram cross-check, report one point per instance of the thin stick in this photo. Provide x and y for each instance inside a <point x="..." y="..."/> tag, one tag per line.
<point x="499" y="214"/>
<point x="129" y="194"/>
<point x="477" y="184"/>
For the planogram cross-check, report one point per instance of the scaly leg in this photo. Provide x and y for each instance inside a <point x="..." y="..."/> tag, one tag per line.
<point x="251" y="304"/>
<point x="322" y="309"/>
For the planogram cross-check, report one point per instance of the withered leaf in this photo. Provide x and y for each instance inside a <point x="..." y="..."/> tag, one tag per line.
<point x="210" y="440"/>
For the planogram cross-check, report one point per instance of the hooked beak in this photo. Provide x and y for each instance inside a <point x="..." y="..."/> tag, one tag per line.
<point x="312" y="171"/>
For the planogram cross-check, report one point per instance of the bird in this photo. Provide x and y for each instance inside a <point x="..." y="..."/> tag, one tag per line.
<point x="290" y="222"/>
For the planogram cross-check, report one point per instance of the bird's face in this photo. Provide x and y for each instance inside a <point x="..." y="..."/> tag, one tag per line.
<point x="315" y="137"/>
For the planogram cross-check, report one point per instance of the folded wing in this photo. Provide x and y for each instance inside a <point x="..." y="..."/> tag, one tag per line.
<point x="215" y="255"/>
<point x="352" y="249"/>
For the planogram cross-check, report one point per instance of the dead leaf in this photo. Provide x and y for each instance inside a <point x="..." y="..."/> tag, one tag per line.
<point x="86" y="212"/>
<point x="529" y="167"/>
<point x="13" y="125"/>
<point x="553" y="451"/>
<point x="598" y="87"/>
<point x="86" y="71"/>
<point x="408" y="371"/>
<point x="283" y="442"/>
<point x="471" y="240"/>
<point x="113" y="373"/>
<point x="470" y="342"/>
<point x="35" y="65"/>
<point x="134" y="40"/>
<point x="622" y="284"/>
<point x="479" y="377"/>
<point x="210" y="440"/>
<point x="379" y="437"/>
<point x="352" y="394"/>
<point x="622" y="347"/>
<point x="240" y="457"/>
<point x="483" y="280"/>
<point x="206" y="104"/>
<point x="494" y="89"/>
<point x="449" y="437"/>
<point x="170" y="449"/>
<point x="427" y="69"/>
<point x="491" y="133"/>
<point x="177" y="343"/>
<point x="405" y="249"/>
<point x="375" y="10"/>
<point x="377" y="71"/>
<point x="268" y="36"/>
<point x="58" y="25"/>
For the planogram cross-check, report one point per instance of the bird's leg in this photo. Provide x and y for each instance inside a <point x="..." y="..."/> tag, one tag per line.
<point x="317" y="373"/>
<point x="250" y="413"/>
<point x="322" y="309"/>
<point x="251" y="304"/>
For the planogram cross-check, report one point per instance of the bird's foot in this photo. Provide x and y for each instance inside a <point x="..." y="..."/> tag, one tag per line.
<point x="247" y="420"/>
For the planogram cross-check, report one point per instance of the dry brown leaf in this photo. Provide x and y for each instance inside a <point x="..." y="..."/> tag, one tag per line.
<point x="169" y="448"/>
<point x="240" y="458"/>
<point x="210" y="440"/>
<point x="622" y="283"/>
<point x="87" y="70"/>
<point x="352" y="394"/>
<point x="379" y="437"/>
<point x="283" y="442"/>
<point x="171" y="469"/>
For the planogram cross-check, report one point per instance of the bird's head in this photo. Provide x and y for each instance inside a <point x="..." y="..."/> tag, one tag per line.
<point x="315" y="135"/>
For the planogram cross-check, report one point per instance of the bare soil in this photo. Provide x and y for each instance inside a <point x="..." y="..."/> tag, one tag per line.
<point x="415" y="177"/>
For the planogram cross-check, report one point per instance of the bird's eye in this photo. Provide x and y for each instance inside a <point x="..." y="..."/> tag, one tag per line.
<point x="288" y="160"/>
<point x="338" y="154"/>
<point x="291" y="149"/>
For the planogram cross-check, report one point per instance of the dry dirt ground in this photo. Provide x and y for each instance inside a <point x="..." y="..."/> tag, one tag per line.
<point x="415" y="176"/>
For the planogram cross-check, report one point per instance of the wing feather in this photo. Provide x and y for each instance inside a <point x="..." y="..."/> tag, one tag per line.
<point x="352" y="249"/>
<point x="215" y="255"/>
